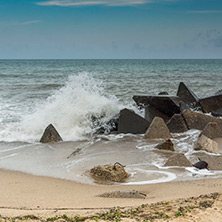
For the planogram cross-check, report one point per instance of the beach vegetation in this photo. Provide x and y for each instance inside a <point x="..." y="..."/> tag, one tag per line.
<point x="145" y="212"/>
<point x="178" y="213"/>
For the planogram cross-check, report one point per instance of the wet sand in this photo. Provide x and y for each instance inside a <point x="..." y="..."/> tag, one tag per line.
<point x="23" y="194"/>
<point x="70" y="160"/>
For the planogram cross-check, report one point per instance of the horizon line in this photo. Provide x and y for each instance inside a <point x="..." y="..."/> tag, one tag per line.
<point x="120" y="59"/>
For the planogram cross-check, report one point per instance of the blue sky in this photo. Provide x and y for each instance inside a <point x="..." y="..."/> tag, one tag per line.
<point x="103" y="29"/>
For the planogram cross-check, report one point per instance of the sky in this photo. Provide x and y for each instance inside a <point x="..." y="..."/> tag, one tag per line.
<point x="110" y="29"/>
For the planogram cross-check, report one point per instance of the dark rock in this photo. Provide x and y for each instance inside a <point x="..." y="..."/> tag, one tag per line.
<point x="50" y="135"/>
<point x="108" y="127"/>
<point x="219" y="92"/>
<point x="177" y="124"/>
<point x="205" y="143"/>
<point x="142" y="100"/>
<point x="124" y="194"/>
<point x="169" y="105"/>
<point x="211" y="104"/>
<point x="187" y="96"/>
<point x="115" y="173"/>
<point x="130" y="122"/>
<point x="178" y="159"/>
<point x="217" y="113"/>
<point x="196" y="120"/>
<point x="163" y="93"/>
<point x="166" y="104"/>
<point x="201" y="164"/>
<point x="166" y="145"/>
<point x="212" y="130"/>
<point x="151" y="112"/>
<point x="214" y="162"/>
<point x="157" y="129"/>
<point x="183" y="106"/>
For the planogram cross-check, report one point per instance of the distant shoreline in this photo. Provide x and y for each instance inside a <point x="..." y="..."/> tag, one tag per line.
<point x="116" y="59"/>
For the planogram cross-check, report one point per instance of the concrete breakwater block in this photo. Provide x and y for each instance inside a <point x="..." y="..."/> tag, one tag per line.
<point x="169" y="105"/>
<point x="177" y="124"/>
<point x="188" y="96"/>
<point x="151" y="112"/>
<point x="217" y="113"/>
<point x="166" y="145"/>
<point x="205" y="143"/>
<point x="212" y="103"/>
<point x="178" y="159"/>
<point x="157" y="130"/>
<point x="212" y="130"/>
<point x="183" y="106"/>
<point x="130" y="122"/>
<point x="50" y="135"/>
<point x="196" y="120"/>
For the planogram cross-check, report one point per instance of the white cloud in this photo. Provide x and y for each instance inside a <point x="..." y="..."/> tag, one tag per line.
<point x="17" y="23"/>
<point x="28" y="22"/>
<point x="67" y="3"/>
<point x="205" y="12"/>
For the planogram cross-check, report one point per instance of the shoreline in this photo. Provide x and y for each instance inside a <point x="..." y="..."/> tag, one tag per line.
<point x="23" y="194"/>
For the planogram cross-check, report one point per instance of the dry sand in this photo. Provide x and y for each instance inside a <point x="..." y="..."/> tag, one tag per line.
<point x="23" y="194"/>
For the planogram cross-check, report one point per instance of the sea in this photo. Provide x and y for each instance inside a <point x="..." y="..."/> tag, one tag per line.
<point x="68" y="93"/>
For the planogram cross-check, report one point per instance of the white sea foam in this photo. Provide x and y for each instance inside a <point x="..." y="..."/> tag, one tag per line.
<point x="69" y="109"/>
<point x="165" y="177"/>
<point x="203" y="172"/>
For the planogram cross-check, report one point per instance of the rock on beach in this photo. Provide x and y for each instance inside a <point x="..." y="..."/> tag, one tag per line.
<point x="205" y="143"/>
<point x="212" y="130"/>
<point x="166" y="145"/>
<point x="157" y="130"/>
<point x="188" y="96"/>
<point x="115" y="173"/>
<point x="50" y="135"/>
<point x="130" y="122"/>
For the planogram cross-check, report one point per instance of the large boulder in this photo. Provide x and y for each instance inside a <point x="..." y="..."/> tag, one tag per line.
<point x="169" y="105"/>
<point x="178" y="159"/>
<point x="50" y="135"/>
<point x="130" y="122"/>
<point x="205" y="143"/>
<point x="177" y="124"/>
<point x="196" y="120"/>
<point x="188" y="96"/>
<point x="212" y="103"/>
<point x="151" y="112"/>
<point x="157" y="130"/>
<point x="166" y="145"/>
<point x="115" y="173"/>
<point x="212" y="130"/>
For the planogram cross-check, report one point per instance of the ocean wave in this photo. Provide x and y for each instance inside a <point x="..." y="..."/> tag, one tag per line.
<point x="70" y="109"/>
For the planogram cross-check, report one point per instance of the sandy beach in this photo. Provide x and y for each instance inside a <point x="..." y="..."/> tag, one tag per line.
<point x="23" y="194"/>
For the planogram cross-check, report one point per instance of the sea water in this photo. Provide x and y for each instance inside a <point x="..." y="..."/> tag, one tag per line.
<point x="68" y="93"/>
